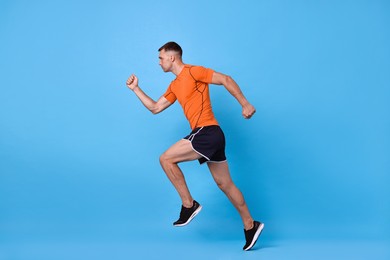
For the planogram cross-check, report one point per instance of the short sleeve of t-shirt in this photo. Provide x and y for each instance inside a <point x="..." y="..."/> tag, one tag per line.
<point x="169" y="95"/>
<point x="202" y="74"/>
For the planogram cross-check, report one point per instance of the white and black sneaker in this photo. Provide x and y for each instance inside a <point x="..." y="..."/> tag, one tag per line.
<point x="252" y="235"/>
<point x="187" y="214"/>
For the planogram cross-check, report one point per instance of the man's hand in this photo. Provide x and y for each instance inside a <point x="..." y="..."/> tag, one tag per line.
<point x="132" y="82"/>
<point x="248" y="110"/>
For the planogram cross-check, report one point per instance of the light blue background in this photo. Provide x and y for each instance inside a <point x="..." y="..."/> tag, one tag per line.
<point x="79" y="171"/>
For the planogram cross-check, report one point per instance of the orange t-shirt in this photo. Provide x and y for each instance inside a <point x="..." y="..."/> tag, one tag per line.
<point x="191" y="89"/>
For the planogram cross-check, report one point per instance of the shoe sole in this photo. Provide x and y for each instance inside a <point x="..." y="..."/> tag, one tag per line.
<point x="190" y="218"/>
<point x="255" y="237"/>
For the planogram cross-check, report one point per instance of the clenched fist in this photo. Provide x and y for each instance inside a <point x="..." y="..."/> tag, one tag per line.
<point x="132" y="82"/>
<point x="248" y="111"/>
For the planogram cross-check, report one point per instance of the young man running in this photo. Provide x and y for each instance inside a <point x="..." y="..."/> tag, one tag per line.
<point x="206" y="142"/>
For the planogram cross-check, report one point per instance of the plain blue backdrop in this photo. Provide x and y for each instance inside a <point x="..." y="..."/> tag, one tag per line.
<point x="79" y="170"/>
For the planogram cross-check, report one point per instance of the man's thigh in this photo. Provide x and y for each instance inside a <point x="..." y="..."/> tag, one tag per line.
<point x="180" y="152"/>
<point x="220" y="172"/>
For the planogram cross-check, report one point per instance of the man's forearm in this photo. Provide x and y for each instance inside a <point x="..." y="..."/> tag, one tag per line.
<point x="247" y="109"/>
<point x="145" y="99"/>
<point x="235" y="91"/>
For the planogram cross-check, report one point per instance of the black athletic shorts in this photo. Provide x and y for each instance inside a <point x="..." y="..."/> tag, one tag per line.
<point x="209" y="142"/>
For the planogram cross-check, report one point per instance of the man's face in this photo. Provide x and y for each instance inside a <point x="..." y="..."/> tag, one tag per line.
<point x="166" y="60"/>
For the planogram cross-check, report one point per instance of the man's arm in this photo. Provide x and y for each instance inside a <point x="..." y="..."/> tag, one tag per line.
<point x="220" y="79"/>
<point x="153" y="106"/>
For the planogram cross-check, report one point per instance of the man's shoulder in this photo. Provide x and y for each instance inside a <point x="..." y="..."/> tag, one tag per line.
<point x="201" y="73"/>
<point x="198" y="69"/>
<point x="193" y="66"/>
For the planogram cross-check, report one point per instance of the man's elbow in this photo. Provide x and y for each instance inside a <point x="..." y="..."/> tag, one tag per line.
<point x="227" y="80"/>
<point x="230" y="80"/>
<point x="155" y="110"/>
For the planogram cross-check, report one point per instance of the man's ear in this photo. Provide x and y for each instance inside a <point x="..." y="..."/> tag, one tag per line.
<point x="172" y="58"/>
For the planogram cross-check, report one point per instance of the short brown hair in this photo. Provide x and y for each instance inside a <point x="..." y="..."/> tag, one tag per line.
<point x="172" y="46"/>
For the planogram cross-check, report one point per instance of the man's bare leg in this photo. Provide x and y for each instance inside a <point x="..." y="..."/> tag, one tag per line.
<point x="179" y="152"/>
<point x="221" y="175"/>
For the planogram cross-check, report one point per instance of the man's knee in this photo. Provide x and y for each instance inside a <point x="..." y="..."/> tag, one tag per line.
<point x="225" y="185"/>
<point x="165" y="159"/>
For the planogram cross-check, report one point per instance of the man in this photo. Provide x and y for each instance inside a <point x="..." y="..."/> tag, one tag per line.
<point x="206" y="142"/>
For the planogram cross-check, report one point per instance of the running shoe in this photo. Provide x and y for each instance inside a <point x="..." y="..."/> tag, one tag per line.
<point x="187" y="214"/>
<point x="252" y="235"/>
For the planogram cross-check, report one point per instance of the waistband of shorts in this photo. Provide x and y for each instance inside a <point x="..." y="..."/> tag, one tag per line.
<point x="205" y="126"/>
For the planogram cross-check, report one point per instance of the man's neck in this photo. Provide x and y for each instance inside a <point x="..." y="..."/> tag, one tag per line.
<point x="178" y="68"/>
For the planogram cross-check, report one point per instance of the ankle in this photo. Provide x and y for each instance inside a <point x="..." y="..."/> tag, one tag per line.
<point x="248" y="225"/>
<point x="188" y="204"/>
